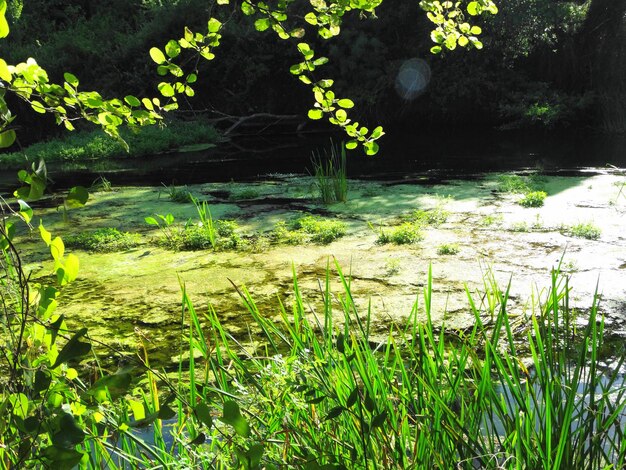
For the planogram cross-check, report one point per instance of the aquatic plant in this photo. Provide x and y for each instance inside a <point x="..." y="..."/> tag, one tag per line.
<point x="491" y="219"/>
<point x="435" y="216"/>
<point x="533" y="199"/>
<point x="321" y="230"/>
<point x="179" y="194"/>
<point x="404" y="234"/>
<point x="587" y="230"/>
<point x="248" y="193"/>
<point x="448" y="249"/>
<point x="103" y="240"/>
<point x="331" y="177"/>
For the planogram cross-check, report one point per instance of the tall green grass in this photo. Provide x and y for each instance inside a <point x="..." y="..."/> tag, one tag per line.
<point x="331" y="176"/>
<point x="320" y="392"/>
<point x="315" y="389"/>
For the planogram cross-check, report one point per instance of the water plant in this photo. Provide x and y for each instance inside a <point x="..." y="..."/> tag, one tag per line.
<point x="103" y="240"/>
<point x="248" y="193"/>
<point x="533" y="199"/>
<point x="404" y="234"/>
<point x="179" y="194"/>
<point x="448" y="249"/>
<point x="491" y="219"/>
<point x="436" y="216"/>
<point x="330" y="173"/>
<point x="587" y="230"/>
<point x="308" y="228"/>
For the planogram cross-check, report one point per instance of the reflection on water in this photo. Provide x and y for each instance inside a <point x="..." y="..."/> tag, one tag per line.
<point x="401" y="154"/>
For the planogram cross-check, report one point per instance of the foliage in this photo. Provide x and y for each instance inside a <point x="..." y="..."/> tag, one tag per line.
<point x="180" y="195"/>
<point x="448" y="249"/>
<point x="248" y="193"/>
<point x="404" y="234"/>
<point x="308" y="228"/>
<point x="586" y="230"/>
<point x="103" y="240"/>
<point x="436" y="216"/>
<point x="533" y="199"/>
<point x="331" y="177"/>
<point x="93" y="145"/>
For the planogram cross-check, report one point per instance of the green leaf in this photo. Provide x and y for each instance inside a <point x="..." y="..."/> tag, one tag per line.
<point x="204" y="414"/>
<point x="377" y="133"/>
<point x="70" y="267"/>
<point x="262" y="24"/>
<point x="351" y="144"/>
<point x="157" y="55"/>
<point x="38" y="107"/>
<point x="435" y="49"/>
<point x="5" y="74"/>
<point x="315" y="114"/>
<point x="74" y="349"/>
<point x="352" y="397"/>
<point x="45" y="235"/>
<point x="310" y="18"/>
<point x="25" y="211"/>
<point x="19" y="405"/>
<point x="69" y="434"/>
<point x="4" y="26"/>
<point x="57" y="248"/>
<point x="371" y="148"/>
<point x="473" y="8"/>
<point x="71" y="79"/>
<point x="172" y="48"/>
<point x="214" y="25"/>
<point x="476" y="30"/>
<point x="341" y="115"/>
<point x="151" y="221"/>
<point x="166" y="89"/>
<point x="334" y="412"/>
<point x="116" y="385"/>
<point x="63" y="459"/>
<point x="247" y="9"/>
<point x="345" y="103"/>
<point x="77" y="197"/>
<point x="7" y="138"/>
<point x="232" y="416"/>
<point x="463" y="41"/>
<point x="379" y="420"/>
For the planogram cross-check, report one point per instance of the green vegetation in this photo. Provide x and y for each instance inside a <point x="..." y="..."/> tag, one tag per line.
<point x="249" y="193"/>
<point x="404" y="234"/>
<point x="586" y="230"/>
<point x="533" y="199"/>
<point x="519" y="227"/>
<point x="94" y="145"/>
<point x="103" y="240"/>
<point x="308" y="228"/>
<point x="180" y="195"/>
<point x="448" y="249"/>
<point x="436" y="216"/>
<point x="331" y="177"/>
<point x="491" y="219"/>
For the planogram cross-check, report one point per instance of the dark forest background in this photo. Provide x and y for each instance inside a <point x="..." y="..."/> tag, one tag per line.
<point x="546" y="64"/>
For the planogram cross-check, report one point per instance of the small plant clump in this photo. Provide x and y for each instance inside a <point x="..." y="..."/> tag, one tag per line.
<point x="448" y="249"/>
<point x="308" y="228"/>
<point x="585" y="230"/>
<point x="491" y="219"/>
<point x="406" y="233"/>
<point x="519" y="227"/>
<point x="103" y="240"/>
<point x="331" y="176"/>
<point x="533" y="199"/>
<point x="436" y="216"/>
<point x="244" y="194"/>
<point x="180" y="195"/>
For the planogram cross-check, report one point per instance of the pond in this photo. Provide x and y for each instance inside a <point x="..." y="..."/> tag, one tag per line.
<point x="481" y="237"/>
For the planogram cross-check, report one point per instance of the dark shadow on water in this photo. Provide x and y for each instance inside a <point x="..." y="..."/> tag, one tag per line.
<point x="436" y="155"/>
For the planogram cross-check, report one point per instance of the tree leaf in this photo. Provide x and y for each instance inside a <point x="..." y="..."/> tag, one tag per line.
<point x="345" y="103"/>
<point x="5" y="74"/>
<point x="4" y="26"/>
<point x="77" y="197"/>
<point x="172" y="48"/>
<point x="25" y="211"/>
<point x="157" y="55"/>
<point x="74" y="349"/>
<point x="166" y="89"/>
<point x="262" y="24"/>
<point x="315" y="114"/>
<point x="232" y="416"/>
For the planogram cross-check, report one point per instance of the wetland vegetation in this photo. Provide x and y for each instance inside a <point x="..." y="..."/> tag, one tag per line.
<point x="339" y="317"/>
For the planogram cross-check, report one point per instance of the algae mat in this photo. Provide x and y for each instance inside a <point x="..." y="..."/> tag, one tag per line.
<point x="135" y="295"/>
